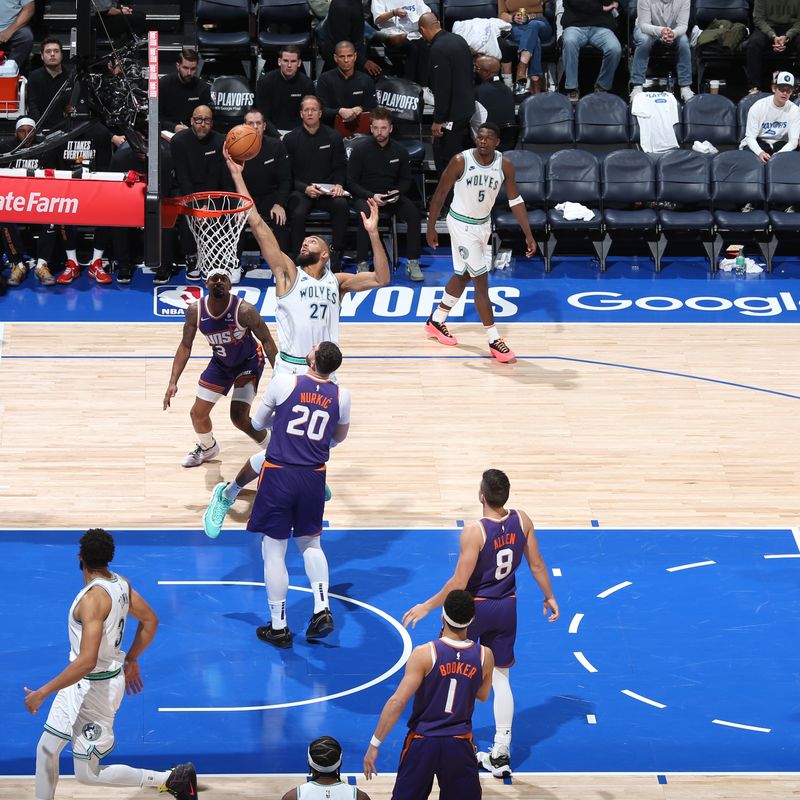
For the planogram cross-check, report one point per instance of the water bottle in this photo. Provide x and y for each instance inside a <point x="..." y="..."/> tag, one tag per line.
<point x="740" y="265"/>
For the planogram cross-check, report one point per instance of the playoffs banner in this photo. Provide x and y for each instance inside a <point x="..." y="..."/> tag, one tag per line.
<point x="402" y="98"/>
<point x="72" y="201"/>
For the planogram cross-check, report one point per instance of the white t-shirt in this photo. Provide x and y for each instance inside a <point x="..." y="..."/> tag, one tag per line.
<point x="766" y="121"/>
<point x="657" y="112"/>
<point x="396" y="25"/>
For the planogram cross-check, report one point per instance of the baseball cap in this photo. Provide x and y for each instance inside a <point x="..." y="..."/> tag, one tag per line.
<point x="783" y="78"/>
<point x="25" y="121"/>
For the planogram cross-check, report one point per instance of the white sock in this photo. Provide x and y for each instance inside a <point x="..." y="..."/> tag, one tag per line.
<point x="41" y="263"/>
<point x="206" y="440"/>
<point x="72" y="255"/>
<point x="97" y="254"/>
<point x="491" y="333"/>
<point x="154" y="780"/>
<point x="276" y="578"/>
<point x="503" y="707"/>
<point x="440" y="315"/>
<point x="231" y="491"/>
<point x="47" y="752"/>
<point x="507" y="79"/>
<point x="316" y="569"/>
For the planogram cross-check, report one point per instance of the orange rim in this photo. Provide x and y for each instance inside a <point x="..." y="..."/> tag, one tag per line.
<point x="182" y="205"/>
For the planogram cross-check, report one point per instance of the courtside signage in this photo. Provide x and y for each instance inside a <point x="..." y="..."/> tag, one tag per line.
<point x="71" y="202"/>
<point x="172" y="301"/>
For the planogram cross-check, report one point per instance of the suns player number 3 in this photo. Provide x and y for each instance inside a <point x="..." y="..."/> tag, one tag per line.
<point x="308" y="423"/>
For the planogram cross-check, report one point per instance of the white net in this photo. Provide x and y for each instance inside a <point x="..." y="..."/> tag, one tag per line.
<point x="216" y="219"/>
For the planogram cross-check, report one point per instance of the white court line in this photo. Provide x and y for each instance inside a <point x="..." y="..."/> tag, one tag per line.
<point x="584" y="662"/>
<point x="739" y="725"/>
<point x="573" y="626"/>
<point x="642" y="698"/>
<point x="785" y="555"/>
<point x="591" y="719"/>
<point x="796" y="536"/>
<point x="690" y="566"/>
<point x="556" y="572"/>
<point x="613" y="589"/>
<point x="360" y="688"/>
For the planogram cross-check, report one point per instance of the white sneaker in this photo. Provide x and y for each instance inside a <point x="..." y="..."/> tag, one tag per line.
<point x="686" y="93"/>
<point x="498" y="762"/>
<point x="413" y="270"/>
<point x="198" y="455"/>
<point x="236" y="276"/>
<point x="636" y="90"/>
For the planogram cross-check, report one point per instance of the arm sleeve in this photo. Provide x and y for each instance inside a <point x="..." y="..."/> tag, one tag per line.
<point x="344" y="406"/>
<point x="404" y="178"/>
<point x="645" y="19"/>
<point x="793" y="133"/>
<point x="205" y="95"/>
<point x="355" y="165"/>
<point x="370" y="101"/>
<point x="180" y="163"/>
<point x="753" y="128"/>
<point x="682" y="24"/>
<point x="279" y="388"/>
<point x="262" y="97"/>
<point x="327" y="96"/>
<point x="760" y="20"/>
<point x="338" y="161"/>
<point x="291" y="148"/>
<point x="443" y="90"/>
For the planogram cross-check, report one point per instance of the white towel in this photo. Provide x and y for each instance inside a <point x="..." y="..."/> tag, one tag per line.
<point x="574" y="211"/>
<point x="729" y="265"/>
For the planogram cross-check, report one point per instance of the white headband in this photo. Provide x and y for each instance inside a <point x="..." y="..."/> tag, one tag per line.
<point x="218" y="271"/>
<point x="318" y="768"/>
<point x="456" y="624"/>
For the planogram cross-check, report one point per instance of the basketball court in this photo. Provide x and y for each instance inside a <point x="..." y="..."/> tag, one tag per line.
<point x="646" y="426"/>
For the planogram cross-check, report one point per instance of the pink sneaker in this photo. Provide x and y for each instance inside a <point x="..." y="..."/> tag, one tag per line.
<point x="500" y="350"/>
<point x="439" y="331"/>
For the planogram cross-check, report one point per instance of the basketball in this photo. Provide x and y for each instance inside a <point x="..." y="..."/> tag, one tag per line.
<point x="243" y="143"/>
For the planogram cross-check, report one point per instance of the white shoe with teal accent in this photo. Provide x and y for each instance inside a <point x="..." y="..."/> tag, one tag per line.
<point x="218" y="507"/>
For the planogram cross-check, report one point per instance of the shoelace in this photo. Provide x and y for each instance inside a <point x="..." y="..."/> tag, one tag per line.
<point x="501" y="346"/>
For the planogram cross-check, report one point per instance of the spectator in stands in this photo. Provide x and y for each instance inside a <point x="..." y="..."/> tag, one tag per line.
<point x="319" y="167"/>
<point x="345" y="23"/>
<point x="399" y="24"/>
<point x="529" y="27"/>
<point x="89" y="150"/>
<point x="451" y="81"/>
<point x="269" y="177"/>
<point x="180" y="93"/>
<point x="45" y="82"/>
<point x="379" y="168"/>
<point x="279" y="92"/>
<point x="116" y="19"/>
<point x="199" y="167"/>
<point x="777" y="24"/>
<point x="590" y="22"/>
<point x="773" y="123"/>
<point x="13" y="236"/>
<point x="345" y="91"/>
<point x="16" y="37"/>
<point x="665" y="21"/>
<point x="493" y="94"/>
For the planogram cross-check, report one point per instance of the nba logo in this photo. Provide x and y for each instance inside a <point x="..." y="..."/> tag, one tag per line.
<point x="172" y="301"/>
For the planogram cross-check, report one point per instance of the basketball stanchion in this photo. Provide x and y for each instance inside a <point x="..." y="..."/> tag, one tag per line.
<point x="216" y="220"/>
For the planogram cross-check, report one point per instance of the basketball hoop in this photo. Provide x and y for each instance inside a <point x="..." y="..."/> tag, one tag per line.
<point x="216" y="220"/>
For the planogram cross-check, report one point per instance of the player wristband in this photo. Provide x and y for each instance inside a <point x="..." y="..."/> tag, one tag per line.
<point x="515" y="202"/>
<point x="375" y="741"/>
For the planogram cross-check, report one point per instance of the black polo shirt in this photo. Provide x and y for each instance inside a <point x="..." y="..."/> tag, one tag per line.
<point x="177" y="101"/>
<point x="335" y="92"/>
<point x="316" y="158"/>
<point x="372" y="169"/>
<point x="269" y="176"/>
<point x="278" y="99"/>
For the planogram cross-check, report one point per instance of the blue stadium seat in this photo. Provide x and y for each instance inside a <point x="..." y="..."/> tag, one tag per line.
<point x="628" y="188"/>
<point x="573" y="176"/>
<point x="705" y="12"/>
<point x="461" y="10"/>
<point x="737" y="178"/>
<point x="709" y="117"/>
<point x="682" y="178"/>
<point x="741" y="111"/>
<point x="529" y="172"/>
<point x="783" y="178"/>
<point x="282" y="22"/>
<point x="602" y="119"/>
<point x="547" y="119"/>
<point x="223" y="26"/>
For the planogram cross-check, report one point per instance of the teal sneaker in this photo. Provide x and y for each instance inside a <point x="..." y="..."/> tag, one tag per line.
<point x="328" y="494"/>
<point x="215" y="513"/>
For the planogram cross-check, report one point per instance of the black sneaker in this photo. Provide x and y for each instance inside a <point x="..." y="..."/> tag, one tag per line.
<point x="124" y="273"/>
<point x="281" y="638"/>
<point x="192" y="270"/>
<point x="320" y="625"/>
<point x="182" y="782"/>
<point x="163" y="274"/>
<point x="498" y="763"/>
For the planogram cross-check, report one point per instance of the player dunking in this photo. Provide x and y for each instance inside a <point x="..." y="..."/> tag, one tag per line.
<point x="475" y="176"/>
<point x="308" y="415"/>
<point x="446" y="676"/>
<point x="307" y="313"/>
<point x="234" y="329"/>
<point x="90" y="687"/>
<point x="491" y="551"/>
